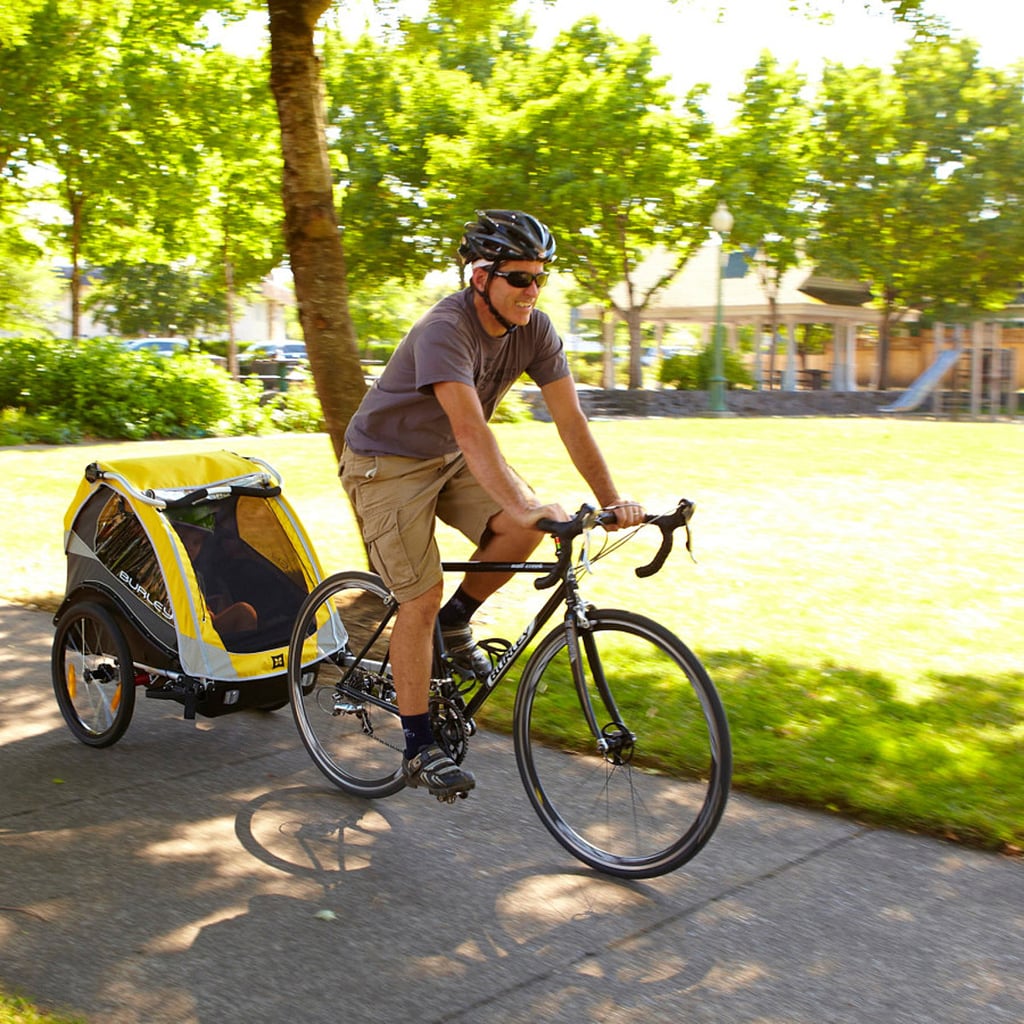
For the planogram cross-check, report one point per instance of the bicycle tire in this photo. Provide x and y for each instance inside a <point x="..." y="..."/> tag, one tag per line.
<point x="657" y="809"/>
<point x="93" y="674"/>
<point x="344" y="704"/>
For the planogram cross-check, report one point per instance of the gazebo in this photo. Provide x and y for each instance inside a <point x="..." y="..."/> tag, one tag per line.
<point x="801" y="297"/>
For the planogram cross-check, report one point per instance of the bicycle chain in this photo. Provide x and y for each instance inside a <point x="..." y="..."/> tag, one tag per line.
<point x="455" y="750"/>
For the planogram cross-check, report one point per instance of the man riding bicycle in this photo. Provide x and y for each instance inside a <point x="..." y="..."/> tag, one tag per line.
<point x="420" y="448"/>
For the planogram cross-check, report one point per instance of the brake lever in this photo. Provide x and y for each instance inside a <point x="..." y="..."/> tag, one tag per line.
<point x="668" y="525"/>
<point x="564" y="534"/>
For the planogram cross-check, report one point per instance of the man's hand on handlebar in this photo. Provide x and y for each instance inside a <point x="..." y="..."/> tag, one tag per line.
<point x="532" y="516"/>
<point x="627" y="513"/>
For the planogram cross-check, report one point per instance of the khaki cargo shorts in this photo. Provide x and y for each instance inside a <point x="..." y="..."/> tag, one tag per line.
<point x="396" y="502"/>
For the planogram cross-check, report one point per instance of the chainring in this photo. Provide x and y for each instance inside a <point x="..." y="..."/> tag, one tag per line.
<point x="450" y="726"/>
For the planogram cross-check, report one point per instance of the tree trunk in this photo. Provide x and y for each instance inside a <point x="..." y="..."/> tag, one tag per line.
<point x="229" y="301"/>
<point x="77" y="207"/>
<point x="773" y="304"/>
<point x="310" y="223"/>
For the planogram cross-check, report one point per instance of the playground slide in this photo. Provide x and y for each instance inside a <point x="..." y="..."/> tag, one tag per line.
<point x="926" y="383"/>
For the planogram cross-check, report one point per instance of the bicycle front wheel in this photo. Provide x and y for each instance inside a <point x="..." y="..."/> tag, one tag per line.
<point x="340" y="686"/>
<point x="628" y="761"/>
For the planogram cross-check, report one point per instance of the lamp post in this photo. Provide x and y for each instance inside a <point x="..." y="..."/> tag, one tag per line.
<point x="721" y="224"/>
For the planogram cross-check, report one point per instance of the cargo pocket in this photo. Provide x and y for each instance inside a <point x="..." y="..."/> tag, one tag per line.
<point x="387" y="551"/>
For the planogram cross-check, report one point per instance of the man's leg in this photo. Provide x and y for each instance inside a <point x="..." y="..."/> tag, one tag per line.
<point x="464" y="505"/>
<point x="412" y="640"/>
<point x="402" y="549"/>
<point x="503" y="541"/>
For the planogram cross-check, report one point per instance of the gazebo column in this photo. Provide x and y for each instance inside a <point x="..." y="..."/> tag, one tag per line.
<point x="758" y="369"/>
<point x="608" y="358"/>
<point x="837" y="381"/>
<point x="851" y="358"/>
<point x="789" y="373"/>
<point x="838" y="352"/>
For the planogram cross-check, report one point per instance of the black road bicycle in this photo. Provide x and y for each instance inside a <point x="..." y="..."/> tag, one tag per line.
<point x="620" y="737"/>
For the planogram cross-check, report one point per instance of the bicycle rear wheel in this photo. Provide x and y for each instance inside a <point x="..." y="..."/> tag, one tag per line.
<point x="93" y="675"/>
<point x="647" y="796"/>
<point x="339" y="682"/>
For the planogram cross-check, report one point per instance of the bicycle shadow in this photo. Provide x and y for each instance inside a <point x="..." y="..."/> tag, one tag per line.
<point x="458" y="910"/>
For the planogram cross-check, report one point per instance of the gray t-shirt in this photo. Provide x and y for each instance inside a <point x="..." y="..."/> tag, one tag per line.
<point x="400" y="415"/>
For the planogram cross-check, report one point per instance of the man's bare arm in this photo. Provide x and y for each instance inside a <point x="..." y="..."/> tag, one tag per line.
<point x="478" y="444"/>
<point x="563" y="403"/>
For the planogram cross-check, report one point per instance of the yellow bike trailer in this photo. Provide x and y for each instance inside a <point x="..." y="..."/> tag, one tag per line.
<point x="185" y="574"/>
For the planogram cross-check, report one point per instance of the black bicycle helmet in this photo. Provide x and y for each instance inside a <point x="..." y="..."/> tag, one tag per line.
<point x="500" y="235"/>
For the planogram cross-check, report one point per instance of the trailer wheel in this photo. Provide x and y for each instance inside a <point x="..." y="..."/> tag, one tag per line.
<point x="93" y="674"/>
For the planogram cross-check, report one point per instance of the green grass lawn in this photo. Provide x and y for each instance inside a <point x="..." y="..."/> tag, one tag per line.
<point x="16" y="1010"/>
<point x="858" y="595"/>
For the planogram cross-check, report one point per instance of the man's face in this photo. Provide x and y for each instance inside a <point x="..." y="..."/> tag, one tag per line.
<point x="514" y="304"/>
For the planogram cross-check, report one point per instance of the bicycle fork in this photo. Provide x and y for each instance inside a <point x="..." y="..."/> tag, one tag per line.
<point x="614" y="740"/>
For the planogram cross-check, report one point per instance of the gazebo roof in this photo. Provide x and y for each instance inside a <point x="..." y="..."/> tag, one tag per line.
<point x="691" y="296"/>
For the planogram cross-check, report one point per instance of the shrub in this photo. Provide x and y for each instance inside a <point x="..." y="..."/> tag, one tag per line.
<point x="511" y="409"/>
<point x="588" y="368"/>
<point x="693" y="372"/>
<point x="18" y="359"/>
<point x="378" y="351"/>
<point x="18" y="427"/>
<point x="96" y="387"/>
<point x="297" y="410"/>
<point x="141" y="394"/>
<point x="681" y="372"/>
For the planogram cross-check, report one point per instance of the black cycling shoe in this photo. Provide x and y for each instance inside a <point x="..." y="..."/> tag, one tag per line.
<point x="467" y="658"/>
<point x="433" y="768"/>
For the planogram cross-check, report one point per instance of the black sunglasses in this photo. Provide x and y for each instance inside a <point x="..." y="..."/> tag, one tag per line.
<point x="522" y="278"/>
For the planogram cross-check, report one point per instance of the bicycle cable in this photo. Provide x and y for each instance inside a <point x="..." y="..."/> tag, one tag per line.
<point x="587" y="559"/>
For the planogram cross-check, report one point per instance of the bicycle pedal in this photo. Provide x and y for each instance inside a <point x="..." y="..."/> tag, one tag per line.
<point x="449" y="798"/>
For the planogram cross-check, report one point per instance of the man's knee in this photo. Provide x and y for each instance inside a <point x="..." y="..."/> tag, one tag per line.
<point x="425" y="605"/>
<point x="501" y="524"/>
<point x="509" y="535"/>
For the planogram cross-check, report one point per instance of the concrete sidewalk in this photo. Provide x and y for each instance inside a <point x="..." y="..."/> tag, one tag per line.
<point x="177" y="877"/>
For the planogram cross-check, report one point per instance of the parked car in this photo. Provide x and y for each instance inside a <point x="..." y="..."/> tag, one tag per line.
<point x="161" y="346"/>
<point x="280" y="351"/>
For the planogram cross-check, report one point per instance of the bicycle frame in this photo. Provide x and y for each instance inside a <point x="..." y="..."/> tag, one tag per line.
<point x="565" y="592"/>
<point x="561" y="574"/>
